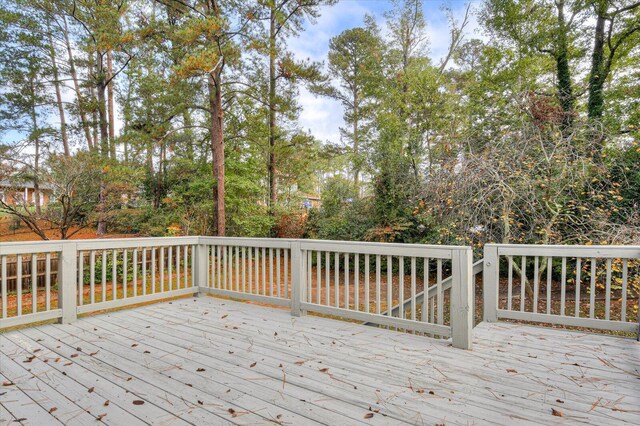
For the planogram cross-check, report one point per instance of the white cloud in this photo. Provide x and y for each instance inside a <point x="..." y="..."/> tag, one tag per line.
<point x="321" y="116"/>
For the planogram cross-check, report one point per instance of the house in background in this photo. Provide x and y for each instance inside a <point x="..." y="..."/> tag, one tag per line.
<point x="13" y="193"/>
<point x="310" y="201"/>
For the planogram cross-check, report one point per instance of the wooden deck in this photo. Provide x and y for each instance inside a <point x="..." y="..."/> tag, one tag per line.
<point x="210" y="361"/>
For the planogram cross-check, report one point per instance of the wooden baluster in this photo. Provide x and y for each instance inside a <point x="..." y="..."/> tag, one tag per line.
<point x="378" y="273"/>
<point x="413" y="288"/>
<point x="366" y="284"/>
<point x="563" y="286"/>
<point x="510" y="283"/>
<point x="607" y="295"/>
<point x="578" y="284"/>
<point x="523" y="281"/>
<point x="536" y="282"/>
<point x="346" y="280"/>
<point x="389" y="286"/>
<point x="623" y="308"/>
<point x="34" y="283"/>
<point x="440" y="292"/>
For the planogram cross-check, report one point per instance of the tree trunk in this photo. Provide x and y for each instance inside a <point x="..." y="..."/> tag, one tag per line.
<point x="217" y="147"/>
<point x="214" y="84"/>
<point x="596" y="76"/>
<point x="104" y="141"/>
<point x="56" y="85"/>
<point x="356" y="145"/>
<point x="101" y="89"/>
<point x="186" y="118"/>
<point x="112" y="124"/>
<point x="565" y="89"/>
<point x="36" y="157"/>
<point x="273" y="190"/>
<point x="76" y="85"/>
<point x="94" y="110"/>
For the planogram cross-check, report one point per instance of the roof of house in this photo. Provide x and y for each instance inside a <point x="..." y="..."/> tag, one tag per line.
<point x="29" y="184"/>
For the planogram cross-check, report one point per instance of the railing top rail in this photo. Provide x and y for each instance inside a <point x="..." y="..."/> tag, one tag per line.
<point x="25" y="247"/>
<point x="248" y="242"/>
<point x="600" y="251"/>
<point x="396" y="249"/>
<point x="116" y="243"/>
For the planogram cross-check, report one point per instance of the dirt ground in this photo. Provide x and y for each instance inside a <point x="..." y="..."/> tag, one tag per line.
<point x="11" y="231"/>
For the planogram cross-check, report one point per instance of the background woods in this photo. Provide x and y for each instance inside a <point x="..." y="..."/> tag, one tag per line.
<point x="183" y="117"/>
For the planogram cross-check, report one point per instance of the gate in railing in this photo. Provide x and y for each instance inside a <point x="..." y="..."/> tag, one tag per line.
<point x="359" y="281"/>
<point x="581" y="286"/>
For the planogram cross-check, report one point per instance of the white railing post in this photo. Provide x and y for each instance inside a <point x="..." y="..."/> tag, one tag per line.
<point x="298" y="275"/>
<point x="462" y="280"/>
<point x="490" y="279"/>
<point x="67" y="282"/>
<point x="202" y="269"/>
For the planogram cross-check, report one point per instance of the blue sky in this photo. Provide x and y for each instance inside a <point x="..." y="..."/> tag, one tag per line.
<point x="323" y="116"/>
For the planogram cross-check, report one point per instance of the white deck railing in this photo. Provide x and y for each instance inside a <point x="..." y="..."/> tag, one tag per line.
<point x="94" y="275"/>
<point x="593" y="285"/>
<point x="359" y="281"/>
<point x="421" y="288"/>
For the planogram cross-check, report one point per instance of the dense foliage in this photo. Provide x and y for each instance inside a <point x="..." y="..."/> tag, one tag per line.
<point x="527" y="134"/>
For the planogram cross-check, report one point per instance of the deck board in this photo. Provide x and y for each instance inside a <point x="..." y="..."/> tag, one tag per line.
<point x="214" y="361"/>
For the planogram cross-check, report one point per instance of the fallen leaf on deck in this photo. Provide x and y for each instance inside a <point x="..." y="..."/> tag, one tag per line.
<point x="557" y="413"/>
<point x="199" y="370"/>
<point x="91" y="389"/>
<point x="324" y="370"/>
<point x="52" y="409"/>
<point x="101" y="416"/>
<point x="368" y="415"/>
<point x="138" y="402"/>
<point x="224" y="316"/>
<point x="106" y="403"/>
<point x="511" y="370"/>
<point x="253" y="365"/>
<point x="74" y="355"/>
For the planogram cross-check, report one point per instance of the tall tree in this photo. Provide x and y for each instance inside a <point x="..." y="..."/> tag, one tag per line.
<point x="354" y="62"/>
<point x="285" y="19"/>
<point x="617" y="30"/>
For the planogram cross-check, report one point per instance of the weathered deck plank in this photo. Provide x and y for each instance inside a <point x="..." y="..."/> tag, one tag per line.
<point x="214" y="361"/>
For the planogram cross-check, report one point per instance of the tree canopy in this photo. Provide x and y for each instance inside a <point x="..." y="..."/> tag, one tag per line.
<point x="163" y="117"/>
